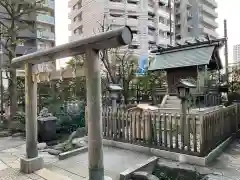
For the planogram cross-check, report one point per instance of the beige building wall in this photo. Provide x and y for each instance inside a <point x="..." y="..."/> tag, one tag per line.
<point x="149" y="20"/>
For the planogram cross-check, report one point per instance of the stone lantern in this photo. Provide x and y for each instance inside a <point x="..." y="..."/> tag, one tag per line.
<point x="114" y="90"/>
<point x="183" y="90"/>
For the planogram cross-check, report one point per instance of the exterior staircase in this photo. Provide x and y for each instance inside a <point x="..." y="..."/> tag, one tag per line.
<point x="171" y="104"/>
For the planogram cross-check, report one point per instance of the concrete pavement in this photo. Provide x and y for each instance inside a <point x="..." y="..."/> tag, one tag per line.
<point x="115" y="161"/>
<point x="75" y="168"/>
<point x="226" y="166"/>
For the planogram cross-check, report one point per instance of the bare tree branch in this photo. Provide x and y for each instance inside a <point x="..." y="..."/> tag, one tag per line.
<point x="6" y="5"/>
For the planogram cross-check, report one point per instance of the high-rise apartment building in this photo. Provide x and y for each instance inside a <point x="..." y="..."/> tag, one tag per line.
<point x="43" y="35"/>
<point x="149" y="20"/>
<point x="236" y="53"/>
<point x="194" y="18"/>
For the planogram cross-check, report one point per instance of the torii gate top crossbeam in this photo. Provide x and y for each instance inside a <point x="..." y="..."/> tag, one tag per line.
<point x="105" y="40"/>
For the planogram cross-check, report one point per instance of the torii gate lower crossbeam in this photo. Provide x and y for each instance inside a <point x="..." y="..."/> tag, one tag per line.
<point x="89" y="46"/>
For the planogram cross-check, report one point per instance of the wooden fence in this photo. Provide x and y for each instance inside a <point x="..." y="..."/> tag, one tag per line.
<point x="217" y="126"/>
<point x="200" y="133"/>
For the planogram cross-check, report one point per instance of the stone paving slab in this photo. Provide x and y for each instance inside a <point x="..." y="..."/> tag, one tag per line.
<point x="10" y="142"/>
<point x="225" y="167"/>
<point x="65" y="172"/>
<point x="115" y="161"/>
<point x="14" y="174"/>
<point x="49" y="175"/>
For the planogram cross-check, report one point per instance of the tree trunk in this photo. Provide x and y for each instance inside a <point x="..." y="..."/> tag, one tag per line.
<point x="13" y="95"/>
<point x="13" y="78"/>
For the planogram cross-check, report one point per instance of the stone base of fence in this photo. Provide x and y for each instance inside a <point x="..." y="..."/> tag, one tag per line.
<point x="181" y="158"/>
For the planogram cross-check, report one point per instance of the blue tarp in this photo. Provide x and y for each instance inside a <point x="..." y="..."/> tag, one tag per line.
<point x="142" y="65"/>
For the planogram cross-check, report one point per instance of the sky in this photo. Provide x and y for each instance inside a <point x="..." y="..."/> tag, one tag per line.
<point x="227" y="9"/>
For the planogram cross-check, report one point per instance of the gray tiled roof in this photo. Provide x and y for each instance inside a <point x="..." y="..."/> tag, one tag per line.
<point x="184" y="58"/>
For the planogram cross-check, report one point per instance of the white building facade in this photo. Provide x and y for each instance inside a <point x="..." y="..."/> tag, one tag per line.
<point x="195" y="18"/>
<point x="148" y="19"/>
<point x="236" y="53"/>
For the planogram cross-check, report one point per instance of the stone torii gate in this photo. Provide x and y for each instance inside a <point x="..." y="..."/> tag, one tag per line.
<point x="90" y="46"/>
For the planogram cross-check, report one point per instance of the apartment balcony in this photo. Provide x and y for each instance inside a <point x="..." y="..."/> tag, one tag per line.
<point x="49" y="4"/>
<point x="75" y="37"/>
<point x="21" y="50"/>
<point x="133" y="7"/>
<point x="46" y="35"/>
<point x="135" y="37"/>
<point x="177" y="1"/>
<point x="163" y="41"/>
<point x="213" y="3"/>
<point x="116" y="5"/>
<point x="178" y="23"/>
<point x="74" y="13"/>
<point x="151" y="38"/>
<point x="177" y="12"/>
<point x="26" y="33"/>
<point x="117" y="21"/>
<point x="71" y="3"/>
<point x="151" y="24"/>
<point x="162" y="12"/>
<point x="189" y="15"/>
<point x="209" y="11"/>
<point x="46" y="19"/>
<point x="135" y="40"/>
<point x="163" y="27"/>
<point x="132" y="22"/>
<point x="151" y="10"/>
<point x="163" y="1"/>
<point x="210" y="22"/>
<point x="210" y="32"/>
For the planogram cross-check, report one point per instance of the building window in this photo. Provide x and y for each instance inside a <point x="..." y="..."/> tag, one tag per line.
<point x="132" y="2"/>
<point x="134" y="31"/>
<point x="151" y="32"/>
<point x="80" y="17"/>
<point x="116" y="0"/>
<point x="80" y="31"/>
<point x="133" y="46"/>
<point x="41" y="46"/>
<point x="161" y="33"/>
<point x="161" y="19"/>
<point x="75" y="31"/>
<point x="151" y="45"/>
<point x="115" y="26"/>
<point x="79" y="4"/>
<point x="20" y="42"/>
<point x="115" y="15"/>
<point x="132" y="17"/>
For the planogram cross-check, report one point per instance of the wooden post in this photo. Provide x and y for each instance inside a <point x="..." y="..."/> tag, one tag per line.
<point x="226" y="50"/>
<point x="94" y="107"/>
<point x="31" y="113"/>
<point x="32" y="162"/>
<point x="114" y="115"/>
<point x="202" y="134"/>
<point x="184" y="129"/>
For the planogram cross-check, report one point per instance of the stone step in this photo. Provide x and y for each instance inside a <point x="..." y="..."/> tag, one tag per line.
<point x="170" y="110"/>
<point x="49" y="175"/>
<point x="172" y="105"/>
<point x="173" y="97"/>
<point x="173" y="101"/>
